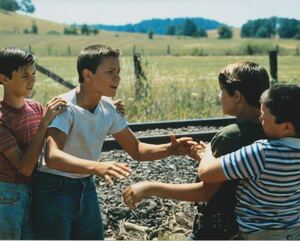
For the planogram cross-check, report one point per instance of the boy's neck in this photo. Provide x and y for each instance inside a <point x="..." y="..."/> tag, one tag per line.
<point x="13" y="101"/>
<point x="250" y="113"/>
<point x="87" y="99"/>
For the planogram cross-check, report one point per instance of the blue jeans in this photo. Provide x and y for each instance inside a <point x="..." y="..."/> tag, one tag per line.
<point x="65" y="208"/>
<point x="14" y="211"/>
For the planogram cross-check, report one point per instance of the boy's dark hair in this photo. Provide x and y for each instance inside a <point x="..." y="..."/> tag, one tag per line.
<point x="92" y="56"/>
<point x="11" y="59"/>
<point x="283" y="102"/>
<point x="250" y="79"/>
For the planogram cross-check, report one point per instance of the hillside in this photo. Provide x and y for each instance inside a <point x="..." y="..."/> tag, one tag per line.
<point x="17" y="23"/>
<point x="160" y="26"/>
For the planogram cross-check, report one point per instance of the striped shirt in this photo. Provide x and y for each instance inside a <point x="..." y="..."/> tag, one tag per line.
<point x="268" y="196"/>
<point x="17" y="128"/>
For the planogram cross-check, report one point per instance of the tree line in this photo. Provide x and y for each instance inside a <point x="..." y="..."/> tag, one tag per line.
<point x="271" y="27"/>
<point x="189" y="28"/>
<point x="259" y="28"/>
<point x="17" y="5"/>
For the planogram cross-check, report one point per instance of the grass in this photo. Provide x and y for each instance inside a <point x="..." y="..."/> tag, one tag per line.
<point x="17" y="23"/>
<point x="179" y="87"/>
<point x="64" y="45"/>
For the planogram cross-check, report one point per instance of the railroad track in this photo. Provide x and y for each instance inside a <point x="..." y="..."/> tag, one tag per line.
<point x="110" y="143"/>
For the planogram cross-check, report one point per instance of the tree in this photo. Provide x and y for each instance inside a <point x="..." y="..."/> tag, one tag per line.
<point x="72" y="30"/>
<point x="150" y="34"/>
<point x="262" y="32"/>
<point x="34" y="28"/>
<point x="17" y="5"/>
<point x="85" y="29"/>
<point x="224" y="32"/>
<point x="9" y="5"/>
<point x="95" y="31"/>
<point x="201" y="33"/>
<point x="288" y="28"/>
<point x="189" y="28"/>
<point x="26" y="6"/>
<point x="171" y="30"/>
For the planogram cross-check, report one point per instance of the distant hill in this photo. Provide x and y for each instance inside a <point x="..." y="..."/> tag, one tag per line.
<point x="17" y="23"/>
<point x="159" y="26"/>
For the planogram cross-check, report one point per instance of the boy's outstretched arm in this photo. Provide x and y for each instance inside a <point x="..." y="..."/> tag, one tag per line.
<point x="141" y="151"/>
<point x="210" y="168"/>
<point x="25" y="162"/>
<point x="191" y="192"/>
<point x="56" y="158"/>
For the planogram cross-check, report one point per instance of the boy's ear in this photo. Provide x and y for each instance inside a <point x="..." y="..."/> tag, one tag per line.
<point x="3" y="79"/>
<point x="87" y="75"/>
<point x="237" y="96"/>
<point x="289" y="129"/>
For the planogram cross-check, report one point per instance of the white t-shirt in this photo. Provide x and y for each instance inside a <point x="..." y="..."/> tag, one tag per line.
<point x="86" y="131"/>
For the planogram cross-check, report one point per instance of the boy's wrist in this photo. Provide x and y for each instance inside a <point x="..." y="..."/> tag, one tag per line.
<point x="169" y="148"/>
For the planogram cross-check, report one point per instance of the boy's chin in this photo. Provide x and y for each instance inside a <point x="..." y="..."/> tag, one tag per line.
<point x="30" y="94"/>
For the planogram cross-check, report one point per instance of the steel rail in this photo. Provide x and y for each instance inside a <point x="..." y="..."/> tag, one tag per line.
<point x="110" y="144"/>
<point x="217" y="122"/>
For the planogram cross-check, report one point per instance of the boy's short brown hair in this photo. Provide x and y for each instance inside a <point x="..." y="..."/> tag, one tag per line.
<point x="249" y="78"/>
<point x="92" y="56"/>
<point x="283" y="102"/>
<point x="11" y="59"/>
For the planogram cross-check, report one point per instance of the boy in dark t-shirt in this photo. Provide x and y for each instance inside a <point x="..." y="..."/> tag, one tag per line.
<point x="241" y="85"/>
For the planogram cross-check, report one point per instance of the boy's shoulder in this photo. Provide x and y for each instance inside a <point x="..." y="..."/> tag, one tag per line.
<point x="107" y="102"/>
<point x="69" y="96"/>
<point x="34" y="105"/>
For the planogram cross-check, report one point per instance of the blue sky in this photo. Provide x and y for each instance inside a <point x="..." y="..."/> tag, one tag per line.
<point x="119" y="12"/>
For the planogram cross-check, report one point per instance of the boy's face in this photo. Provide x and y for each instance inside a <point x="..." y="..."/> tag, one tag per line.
<point x="228" y="103"/>
<point x="106" y="79"/>
<point x="22" y="81"/>
<point x="268" y="122"/>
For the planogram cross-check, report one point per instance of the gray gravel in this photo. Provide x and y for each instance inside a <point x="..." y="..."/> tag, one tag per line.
<point x="159" y="215"/>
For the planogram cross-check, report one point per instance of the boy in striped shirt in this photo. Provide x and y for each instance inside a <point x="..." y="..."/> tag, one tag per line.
<point x="23" y="125"/>
<point x="268" y="195"/>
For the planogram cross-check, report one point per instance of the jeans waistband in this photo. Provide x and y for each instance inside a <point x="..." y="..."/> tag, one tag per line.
<point x="53" y="177"/>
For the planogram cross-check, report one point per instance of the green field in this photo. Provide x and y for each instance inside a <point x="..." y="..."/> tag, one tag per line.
<point x="66" y="45"/>
<point x="182" y="84"/>
<point x="180" y="87"/>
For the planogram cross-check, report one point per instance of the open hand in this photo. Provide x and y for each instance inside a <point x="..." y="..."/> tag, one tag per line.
<point x="120" y="106"/>
<point x="109" y="170"/>
<point x="53" y="108"/>
<point x="180" y="146"/>
<point x="135" y="193"/>
<point x="197" y="150"/>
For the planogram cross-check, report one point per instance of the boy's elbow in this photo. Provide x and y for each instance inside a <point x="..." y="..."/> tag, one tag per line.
<point x="203" y="175"/>
<point x="137" y="157"/>
<point x="50" y="159"/>
<point x="50" y="162"/>
<point x="26" y="171"/>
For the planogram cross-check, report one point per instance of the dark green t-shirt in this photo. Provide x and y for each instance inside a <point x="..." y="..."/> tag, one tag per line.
<point x="222" y="204"/>
<point x="235" y="136"/>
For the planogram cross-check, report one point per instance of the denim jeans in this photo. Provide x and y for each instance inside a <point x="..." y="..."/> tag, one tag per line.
<point x="65" y="208"/>
<point x="14" y="211"/>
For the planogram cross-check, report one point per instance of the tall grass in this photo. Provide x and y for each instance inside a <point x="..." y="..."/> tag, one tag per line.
<point x="179" y="87"/>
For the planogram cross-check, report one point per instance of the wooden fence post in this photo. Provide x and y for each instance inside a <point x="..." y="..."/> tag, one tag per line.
<point x="273" y="66"/>
<point x="168" y="50"/>
<point x="141" y="85"/>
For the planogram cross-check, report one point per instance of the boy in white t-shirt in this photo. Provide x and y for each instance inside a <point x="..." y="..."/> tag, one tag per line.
<point x="65" y="203"/>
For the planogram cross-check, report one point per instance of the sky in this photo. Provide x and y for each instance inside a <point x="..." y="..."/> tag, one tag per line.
<point x="119" y="12"/>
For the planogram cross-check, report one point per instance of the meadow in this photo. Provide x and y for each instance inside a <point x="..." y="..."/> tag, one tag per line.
<point x="179" y="87"/>
<point x="181" y="71"/>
